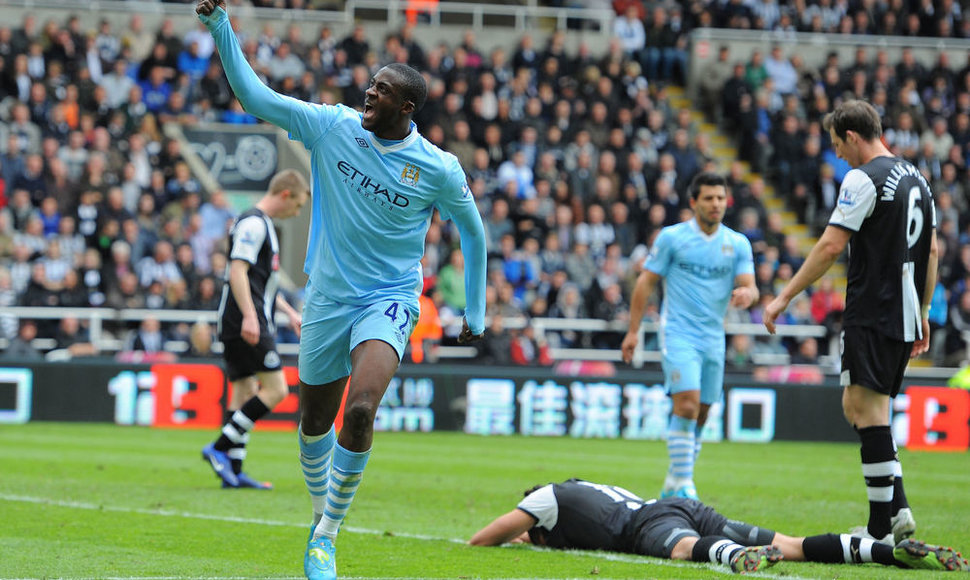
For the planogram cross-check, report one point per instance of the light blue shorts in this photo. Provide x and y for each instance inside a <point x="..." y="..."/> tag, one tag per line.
<point x="687" y="368"/>
<point x="331" y="330"/>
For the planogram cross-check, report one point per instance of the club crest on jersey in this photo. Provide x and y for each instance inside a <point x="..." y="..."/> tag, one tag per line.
<point x="727" y="249"/>
<point x="410" y="174"/>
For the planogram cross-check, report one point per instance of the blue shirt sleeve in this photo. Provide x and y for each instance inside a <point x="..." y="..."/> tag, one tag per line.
<point x="457" y="204"/>
<point x="745" y="256"/>
<point x="658" y="258"/>
<point x="304" y="121"/>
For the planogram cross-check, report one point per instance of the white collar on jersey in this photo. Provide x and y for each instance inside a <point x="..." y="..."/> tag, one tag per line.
<point x="398" y="145"/>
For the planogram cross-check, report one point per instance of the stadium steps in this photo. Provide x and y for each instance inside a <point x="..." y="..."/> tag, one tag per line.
<point x="725" y="152"/>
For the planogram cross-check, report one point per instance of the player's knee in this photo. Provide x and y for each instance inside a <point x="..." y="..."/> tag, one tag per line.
<point x="359" y="415"/>
<point x="687" y="409"/>
<point x="274" y="392"/>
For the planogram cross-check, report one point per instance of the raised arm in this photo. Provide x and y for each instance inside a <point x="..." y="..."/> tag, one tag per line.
<point x="255" y="97"/>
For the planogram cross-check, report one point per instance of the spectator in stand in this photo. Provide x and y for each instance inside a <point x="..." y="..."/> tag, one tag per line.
<point x="216" y="216"/>
<point x="74" y="338"/>
<point x="628" y="27"/>
<point x="451" y="281"/>
<point x="159" y="267"/>
<point x="149" y="337"/>
<point x="20" y="349"/>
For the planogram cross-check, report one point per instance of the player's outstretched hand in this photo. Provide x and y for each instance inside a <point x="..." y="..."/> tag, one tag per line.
<point x="206" y="7"/>
<point x="466" y="336"/>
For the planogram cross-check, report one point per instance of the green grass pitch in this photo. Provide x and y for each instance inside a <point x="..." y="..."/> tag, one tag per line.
<point x="100" y="501"/>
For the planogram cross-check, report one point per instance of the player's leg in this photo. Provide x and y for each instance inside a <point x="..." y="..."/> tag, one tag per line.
<point x="319" y="405"/>
<point x="235" y="436"/>
<point x="270" y="389"/>
<point x="868" y="412"/>
<point x="242" y="364"/>
<point x="377" y="339"/>
<point x="872" y="369"/>
<point x="684" y="529"/>
<point x="374" y="364"/>
<point x="682" y="372"/>
<point x="712" y="385"/>
<point x="324" y="367"/>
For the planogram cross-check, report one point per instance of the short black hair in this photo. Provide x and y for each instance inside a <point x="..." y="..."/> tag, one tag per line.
<point x="413" y="86"/>
<point x="857" y="116"/>
<point x="706" y="178"/>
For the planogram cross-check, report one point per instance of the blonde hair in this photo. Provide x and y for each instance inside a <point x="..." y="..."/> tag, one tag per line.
<point x="290" y="179"/>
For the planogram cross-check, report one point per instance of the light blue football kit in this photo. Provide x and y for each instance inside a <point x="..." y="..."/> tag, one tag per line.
<point x="699" y="272"/>
<point x="372" y="204"/>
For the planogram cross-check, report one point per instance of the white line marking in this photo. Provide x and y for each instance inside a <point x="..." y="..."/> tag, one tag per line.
<point x="611" y="556"/>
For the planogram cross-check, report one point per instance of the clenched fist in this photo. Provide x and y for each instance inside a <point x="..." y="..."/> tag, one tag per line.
<point x="206" y="7"/>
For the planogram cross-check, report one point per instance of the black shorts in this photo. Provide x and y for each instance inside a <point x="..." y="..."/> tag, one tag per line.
<point x="667" y="521"/>
<point x="873" y="360"/>
<point x="245" y="360"/>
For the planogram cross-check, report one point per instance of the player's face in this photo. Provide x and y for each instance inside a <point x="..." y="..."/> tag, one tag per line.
<point x="844" y="148"/>
<point x="710" y="205"/>
<point x="294" y="203"/>
<point x="383" y="104"/>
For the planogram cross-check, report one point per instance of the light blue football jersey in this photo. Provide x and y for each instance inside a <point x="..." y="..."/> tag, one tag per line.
<point x="372" y="204"/>
<point x="698" y="272"/>
<point x="372" y="199"/>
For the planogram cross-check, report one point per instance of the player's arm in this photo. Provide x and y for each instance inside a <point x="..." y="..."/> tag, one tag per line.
<point x="459" y="206"/>
<point x="255" y="97"/>
<point x="923" y="344"/>
<point x="646" y="283"/>
<point x="511" y="527"/>
<point x="241" y="291"/>
<point x="296" y="320"/>
<point x="825" y="252"/>
<point x="473" y="248"/>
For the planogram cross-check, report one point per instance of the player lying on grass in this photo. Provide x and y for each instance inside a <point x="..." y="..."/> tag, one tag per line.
<point x="577" y="514"/>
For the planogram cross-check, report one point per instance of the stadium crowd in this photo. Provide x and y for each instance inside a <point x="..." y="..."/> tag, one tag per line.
<point x="576" y="159"/>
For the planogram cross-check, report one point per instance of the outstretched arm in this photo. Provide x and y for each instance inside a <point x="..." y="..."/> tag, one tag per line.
<point x="510" y="527"/>
<point x="255" y="97"/>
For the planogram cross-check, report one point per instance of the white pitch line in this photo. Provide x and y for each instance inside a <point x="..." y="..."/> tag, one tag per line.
<point x="611" y="556"/>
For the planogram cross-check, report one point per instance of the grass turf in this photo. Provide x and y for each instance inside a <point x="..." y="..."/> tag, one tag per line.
<point x="100" y="501"/>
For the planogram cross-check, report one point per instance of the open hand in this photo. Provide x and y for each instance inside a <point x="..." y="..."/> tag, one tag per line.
<point x="466" y="336"/>
<point x="207" y="7"/>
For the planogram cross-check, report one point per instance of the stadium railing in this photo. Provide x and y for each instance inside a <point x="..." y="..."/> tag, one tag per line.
<point x="476" y="15"/>
<point x="107" y="342"/>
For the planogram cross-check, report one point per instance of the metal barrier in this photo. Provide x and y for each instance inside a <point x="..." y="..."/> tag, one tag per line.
<point x="476" y="15"/>
<point x="97" y="317"/>
<point x="104" y="342"/>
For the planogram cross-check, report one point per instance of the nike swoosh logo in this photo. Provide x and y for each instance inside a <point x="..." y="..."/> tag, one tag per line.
<point x="216" y="464"/>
